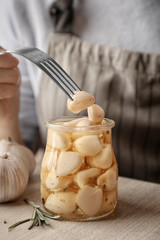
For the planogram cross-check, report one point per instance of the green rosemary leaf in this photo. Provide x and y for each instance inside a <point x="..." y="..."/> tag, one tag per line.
<point x="31" y="225"/>
<point x="51" y="217"/>
<point x="33" y="214"/>
<point x="18" y="223"/>
<point x="34" y="222"/>
<point x="40" y="215"/>
<point x="42" y="218"/>
<point x="39" y="222"/>
<point x="47" y="214"/>
<point x="43" y="211"/>
<point x="46" y="222"/>
<point x="31" y="203"/>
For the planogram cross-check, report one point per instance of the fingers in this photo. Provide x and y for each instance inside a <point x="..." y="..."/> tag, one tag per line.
<point x="11" y="76"/>
<point x="7" y="91"/>
<point x="7" y="60"/>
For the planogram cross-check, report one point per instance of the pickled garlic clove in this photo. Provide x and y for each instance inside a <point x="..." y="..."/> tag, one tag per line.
<point x="83" y="177"/>
<point x="109" y="201"/>
<point x="115" y="165"/>
<point x="58" y="140"/>
<point x="89" y="200"/>
<point x="103" y="159"/>
<point x="74" y="122"/>
<point x="68" y="163"/>
<point x="76" y="135"/>
<point x="84" y="123"/>
<point x="81" y="100"/>
<point x="44" y="174"/>
<point x="61" y="141"/>
<point x="50" y="158"/>
<point x="95" y="113"/>
<point x="108" y="180"/>
<point x="61" y="202"/>
<point x="88" y="145"/>
<point x="45" y="159"/>
<point x="57" y="183"/>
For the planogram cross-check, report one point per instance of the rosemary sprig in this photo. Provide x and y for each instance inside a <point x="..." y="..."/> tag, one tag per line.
<point x="38" y="217"/>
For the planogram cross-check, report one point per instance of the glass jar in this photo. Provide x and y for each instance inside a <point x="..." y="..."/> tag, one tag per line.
<point x="79" y="172"/>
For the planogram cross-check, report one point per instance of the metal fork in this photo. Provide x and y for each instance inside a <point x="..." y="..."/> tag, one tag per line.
<point x="49" y="66"/>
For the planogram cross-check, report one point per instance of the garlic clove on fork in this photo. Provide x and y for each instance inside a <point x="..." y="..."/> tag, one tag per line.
<point x="81" y="100"/>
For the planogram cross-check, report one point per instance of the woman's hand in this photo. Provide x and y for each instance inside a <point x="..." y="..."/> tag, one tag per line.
<point x="9" y="97"/>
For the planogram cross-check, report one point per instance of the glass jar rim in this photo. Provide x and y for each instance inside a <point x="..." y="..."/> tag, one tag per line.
<point x="53" y="124"/>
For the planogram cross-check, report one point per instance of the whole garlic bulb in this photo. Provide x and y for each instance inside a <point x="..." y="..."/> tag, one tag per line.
<point x="16" y="164"/>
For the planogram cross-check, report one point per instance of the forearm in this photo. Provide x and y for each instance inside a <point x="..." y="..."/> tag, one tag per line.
<point x="10" y="129"/>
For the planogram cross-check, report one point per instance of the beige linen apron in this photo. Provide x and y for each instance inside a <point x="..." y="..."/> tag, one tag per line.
<point x="127" y="86"/>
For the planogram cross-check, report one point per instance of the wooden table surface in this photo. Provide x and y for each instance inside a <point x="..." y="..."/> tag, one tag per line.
<point x="137" y="216"/>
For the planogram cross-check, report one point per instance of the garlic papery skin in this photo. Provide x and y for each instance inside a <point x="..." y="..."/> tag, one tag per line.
<point x="20" y="151"/>
<point x="16" y="164"/>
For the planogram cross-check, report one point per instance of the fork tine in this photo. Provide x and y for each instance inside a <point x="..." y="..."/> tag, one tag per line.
<point x="50" y="74"/>
<point x="50" y="67"/>
<point x="59" y="76"/>
<point x="64" y="74"/>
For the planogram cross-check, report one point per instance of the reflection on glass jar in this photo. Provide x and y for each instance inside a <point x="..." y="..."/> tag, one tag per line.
<point x="79" y="172"/>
